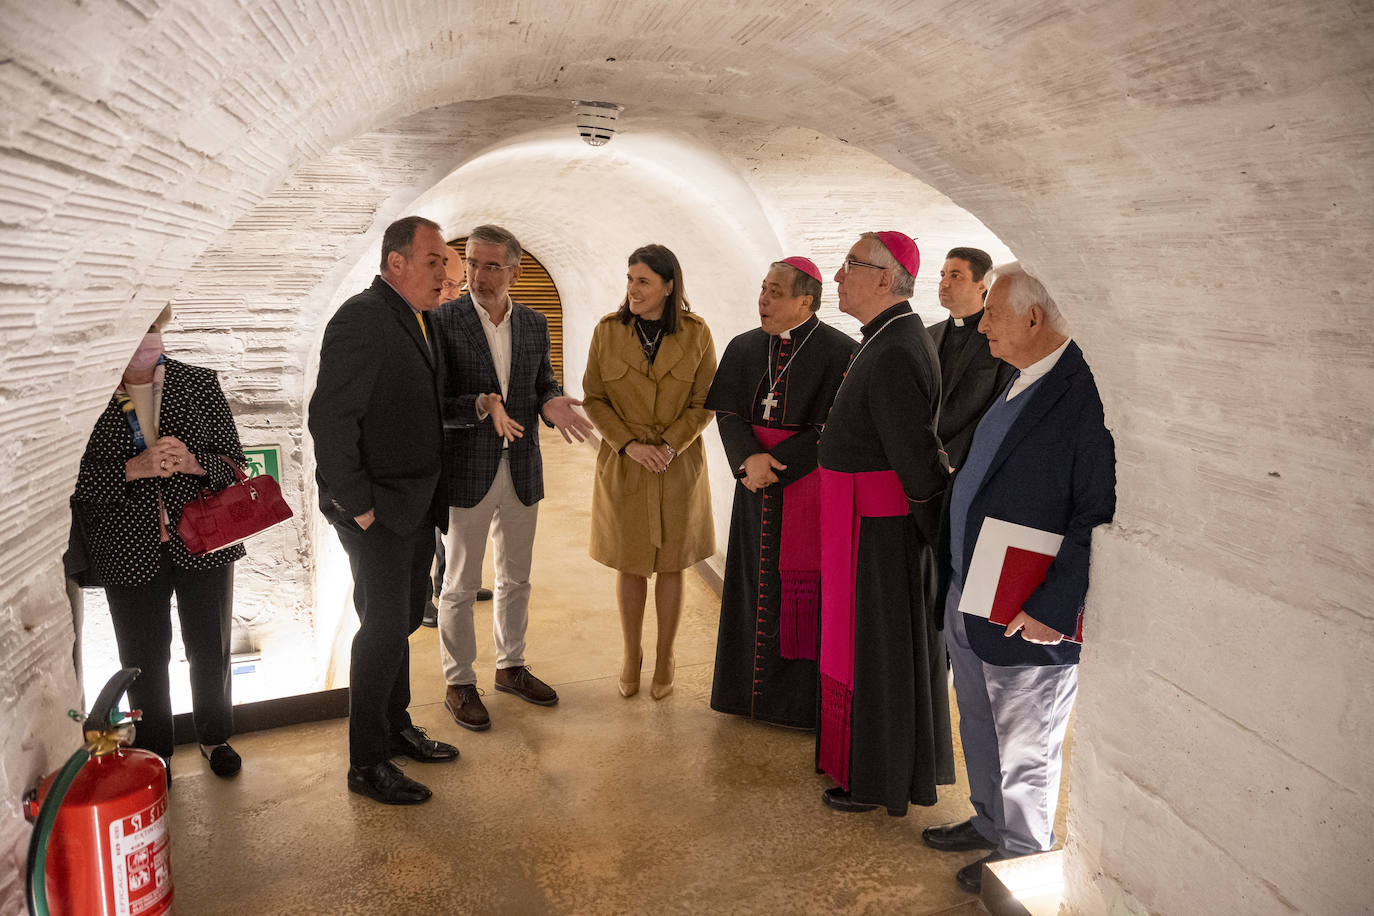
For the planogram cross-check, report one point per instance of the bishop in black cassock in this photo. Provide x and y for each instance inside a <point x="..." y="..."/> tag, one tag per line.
<point x="970" y="376"/>
<point x="771" y="394"/>
<point x="884" y="732"/>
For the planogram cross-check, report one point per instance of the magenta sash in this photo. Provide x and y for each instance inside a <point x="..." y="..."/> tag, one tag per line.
<point x="845" y="499"/>
<point x="799" y="558"/>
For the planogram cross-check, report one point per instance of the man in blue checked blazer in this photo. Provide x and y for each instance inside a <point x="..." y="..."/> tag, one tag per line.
<point x="499" y="386"/>
<point x="1041" y="457"/>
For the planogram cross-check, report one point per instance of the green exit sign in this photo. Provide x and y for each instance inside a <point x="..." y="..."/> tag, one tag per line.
<point x="264" y="459"/>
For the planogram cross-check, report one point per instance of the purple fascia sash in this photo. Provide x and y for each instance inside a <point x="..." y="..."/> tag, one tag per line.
<point x="799" y="561"/>
<point x="845" y="500"/>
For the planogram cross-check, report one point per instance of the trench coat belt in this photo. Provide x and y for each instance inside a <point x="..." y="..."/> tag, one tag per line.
<point x="651" y="434"/>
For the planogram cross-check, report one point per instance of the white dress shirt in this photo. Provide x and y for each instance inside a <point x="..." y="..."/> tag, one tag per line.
<point x="1036" y="370"/>
<point x="498" y="341"/>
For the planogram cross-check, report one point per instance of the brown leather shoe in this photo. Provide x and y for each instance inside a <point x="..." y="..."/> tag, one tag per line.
<point x="525" y="685"/>
<point x="464" y="703"/>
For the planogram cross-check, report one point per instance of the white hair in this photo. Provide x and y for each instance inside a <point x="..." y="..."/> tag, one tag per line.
<point x="903" y="283"/>
<point x="1024" y="290"/>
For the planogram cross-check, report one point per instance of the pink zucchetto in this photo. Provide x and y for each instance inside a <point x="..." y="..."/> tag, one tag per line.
<point x="903" y="249"/>
<point x="806" y="266"/>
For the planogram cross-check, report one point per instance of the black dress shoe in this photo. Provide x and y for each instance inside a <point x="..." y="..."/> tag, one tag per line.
<point x="959" y="837"/>
<point x="385" y="783"/>
<point x="224" y="760"/>
<point x="970" y="877"/>
<point x="431" y="618"/>
<point x="839" y="799"/>
<point x="416" y="744"/>
<point x="484" y="594"/>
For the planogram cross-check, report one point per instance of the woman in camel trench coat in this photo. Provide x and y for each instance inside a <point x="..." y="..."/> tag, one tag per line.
<point x="650" y="366"/>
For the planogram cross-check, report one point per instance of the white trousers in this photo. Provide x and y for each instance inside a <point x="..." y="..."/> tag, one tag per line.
<point x="510" y="525"/>
<point x="1011" y="725"/>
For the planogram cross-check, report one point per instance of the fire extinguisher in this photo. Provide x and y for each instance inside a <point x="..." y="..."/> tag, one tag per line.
<point x="99" y="844"/>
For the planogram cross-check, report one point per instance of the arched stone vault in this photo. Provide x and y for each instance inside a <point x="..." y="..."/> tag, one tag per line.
<point x="727" y="195"/>
<point x="1191" y="180"/>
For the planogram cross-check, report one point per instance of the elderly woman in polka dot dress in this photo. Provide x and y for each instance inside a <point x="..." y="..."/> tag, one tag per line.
<point x="158" y="442"/>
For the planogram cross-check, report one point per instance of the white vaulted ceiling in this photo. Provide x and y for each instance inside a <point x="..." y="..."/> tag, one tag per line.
<point x="1192" y="181"/>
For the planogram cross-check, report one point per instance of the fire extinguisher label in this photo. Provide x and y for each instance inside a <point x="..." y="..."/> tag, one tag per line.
<point x="142" y="864"/>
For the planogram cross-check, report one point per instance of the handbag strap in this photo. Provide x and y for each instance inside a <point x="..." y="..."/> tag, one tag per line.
<point x="239" y="476"/>
<point x="238" y="472"/>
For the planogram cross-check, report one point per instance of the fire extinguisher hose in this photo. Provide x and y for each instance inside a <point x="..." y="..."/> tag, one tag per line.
<point x="35" y="883"/>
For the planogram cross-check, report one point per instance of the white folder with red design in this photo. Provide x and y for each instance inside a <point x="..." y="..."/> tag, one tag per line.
<point x="1009" y="563"/>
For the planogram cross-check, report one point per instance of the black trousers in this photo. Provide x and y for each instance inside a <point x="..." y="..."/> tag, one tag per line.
<point x="142" y="617"/>
<point x="390" y="589"/>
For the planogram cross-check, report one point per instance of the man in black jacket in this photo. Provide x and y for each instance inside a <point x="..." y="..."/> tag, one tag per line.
<point x="970" y="376"/>
<point x="375" y="418"/>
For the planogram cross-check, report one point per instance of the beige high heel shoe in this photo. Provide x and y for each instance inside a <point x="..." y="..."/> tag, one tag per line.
<point x="630" y="688"/>
<point x="659" y="690"/>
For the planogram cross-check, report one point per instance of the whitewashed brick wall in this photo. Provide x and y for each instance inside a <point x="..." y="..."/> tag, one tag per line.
<point x="1192" y="181"/>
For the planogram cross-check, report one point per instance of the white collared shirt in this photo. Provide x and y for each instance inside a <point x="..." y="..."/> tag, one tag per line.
<point x="1036" y="370"/>
<point x="499" y="342"/>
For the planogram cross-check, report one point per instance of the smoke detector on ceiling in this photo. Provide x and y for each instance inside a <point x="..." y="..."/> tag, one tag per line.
<point x="596" y="121"/>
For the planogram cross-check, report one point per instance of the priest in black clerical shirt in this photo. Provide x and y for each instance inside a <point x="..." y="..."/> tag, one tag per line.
<point x="970" y="376"/>
<point x="771" y="394"/>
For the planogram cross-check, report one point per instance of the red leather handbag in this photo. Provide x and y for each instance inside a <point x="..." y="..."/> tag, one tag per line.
<point x="216" y="520"/>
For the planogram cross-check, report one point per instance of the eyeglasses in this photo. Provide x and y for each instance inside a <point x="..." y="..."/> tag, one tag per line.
<point x="451" y="286"/>
<point x="474" y="267"/>
<point x="850" y="263"/>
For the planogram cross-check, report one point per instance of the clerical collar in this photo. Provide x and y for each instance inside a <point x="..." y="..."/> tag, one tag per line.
<point x="787" y="335"/>
<point x="968" y="320"/>
<point x="884" y="317"/>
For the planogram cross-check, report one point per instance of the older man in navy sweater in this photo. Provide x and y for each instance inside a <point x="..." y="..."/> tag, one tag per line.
<point x="1042" y="458"/>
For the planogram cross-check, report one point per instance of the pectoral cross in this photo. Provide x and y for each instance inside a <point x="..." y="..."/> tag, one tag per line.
<point x="768" y="404"/>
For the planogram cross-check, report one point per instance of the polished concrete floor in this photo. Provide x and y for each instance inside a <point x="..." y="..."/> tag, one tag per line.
<point x="597" y="805"/>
